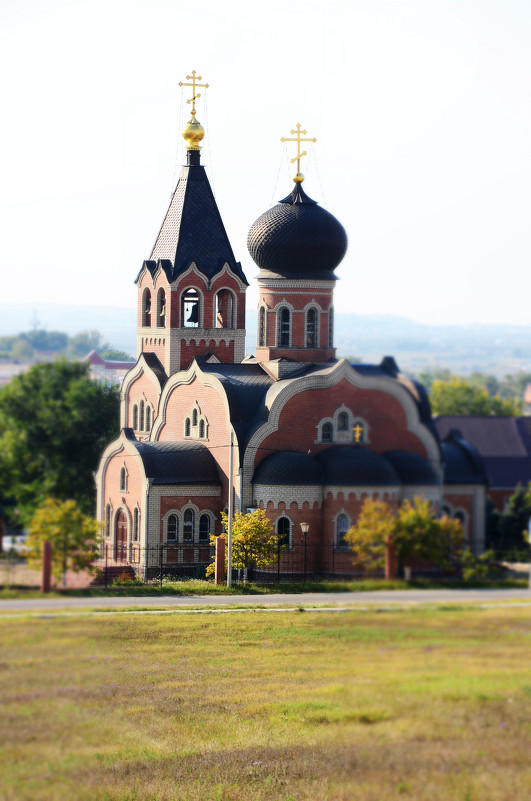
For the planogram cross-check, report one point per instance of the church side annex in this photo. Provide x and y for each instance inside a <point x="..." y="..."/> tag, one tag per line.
<point x="313" y="435"/>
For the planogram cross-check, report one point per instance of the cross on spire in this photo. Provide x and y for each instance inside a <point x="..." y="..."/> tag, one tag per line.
<point x="298" y="137"/>
<point x="194" y="78"/>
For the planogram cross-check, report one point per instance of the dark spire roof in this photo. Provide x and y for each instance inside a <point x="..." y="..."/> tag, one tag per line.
<point x="192" y="230"/>
<point x="297" y="238"/>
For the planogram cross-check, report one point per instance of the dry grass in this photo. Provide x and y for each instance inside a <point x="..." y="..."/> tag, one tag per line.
<point x="411" y="704"/>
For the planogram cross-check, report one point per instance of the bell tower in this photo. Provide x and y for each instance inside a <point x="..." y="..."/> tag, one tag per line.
<point x="191" y="291"/>
<point x="297" y="246"/>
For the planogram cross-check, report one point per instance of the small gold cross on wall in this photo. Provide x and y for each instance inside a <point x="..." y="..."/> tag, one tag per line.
<point x="358" y="431"/>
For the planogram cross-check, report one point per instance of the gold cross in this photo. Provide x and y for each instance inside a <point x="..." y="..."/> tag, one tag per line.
<point x="194" y="78"/>
<point x="358" y="431"/>
<point x="298" y="138"/>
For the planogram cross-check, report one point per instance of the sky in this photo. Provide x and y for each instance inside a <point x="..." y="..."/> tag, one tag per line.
<point x="421" y="110"/>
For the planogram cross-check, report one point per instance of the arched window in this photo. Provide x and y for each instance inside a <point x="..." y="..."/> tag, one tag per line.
<point x="123" y="479"/>
<point x="284" y="327"/>
<point x="148" y="418"/>
<point x="445" y="510"/>
<point x="135" y="417"/>
<point x="331" y="328"/>
<point x="224" y="309"/>
<point x="146" y="308"/>
<point x="141" y="426"/>
<point x="342" y="526"/>
<point x="173" y="527"/>
<point x="187" y="427"/>
<point x="326" y="432"/>
<point x="190" y="309"/>
<point x="342" y="421"/>
<point x="283" y="531"/>
<point x="108" y="520"/>
<point x="188" y="526"/>
<point x="262" y="327"/>
<point x="204" y="528"/>
<point x="194" y="417"/>
<point x="201" y="429"/>
<point x="135" y="524"/>
<point x="161" y="308"/>
<point x="311" y="329"/>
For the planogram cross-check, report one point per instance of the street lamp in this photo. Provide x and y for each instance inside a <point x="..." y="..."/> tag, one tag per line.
<point x="305" y="528"/>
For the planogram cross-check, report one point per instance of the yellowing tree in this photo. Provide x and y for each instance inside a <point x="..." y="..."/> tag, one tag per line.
<point x="412" y="530"/>
<point x="74" y="537"/>
<point x="254" y="541"/>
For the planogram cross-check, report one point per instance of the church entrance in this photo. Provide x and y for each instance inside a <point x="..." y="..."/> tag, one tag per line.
<point x="121" y="537"/>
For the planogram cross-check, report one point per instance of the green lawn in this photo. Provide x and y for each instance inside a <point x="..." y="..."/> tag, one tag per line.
<point x="407" y="704"/>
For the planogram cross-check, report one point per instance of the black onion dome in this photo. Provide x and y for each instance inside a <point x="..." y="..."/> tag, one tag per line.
<point x="288" y="467"/>
<point x="297" y="238"/>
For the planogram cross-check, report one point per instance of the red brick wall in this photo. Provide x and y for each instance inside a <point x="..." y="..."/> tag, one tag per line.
<point x="500" y="496"/>
<point x="142" y="386"/>
<point x="111" y="485"/>
<point x="464" y="502"/>
<point x="301" y="414"/>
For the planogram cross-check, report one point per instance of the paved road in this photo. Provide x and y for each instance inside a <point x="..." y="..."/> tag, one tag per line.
<point x="343" y="599"/>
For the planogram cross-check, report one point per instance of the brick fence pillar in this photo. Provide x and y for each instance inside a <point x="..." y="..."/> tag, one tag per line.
<point x="46" y="575"/>
<point x="390" y="561"/>
<point x="220" y="561"/>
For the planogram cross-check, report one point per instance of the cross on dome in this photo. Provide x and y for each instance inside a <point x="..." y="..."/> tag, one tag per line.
<point x="194" y="78"/>
<point x="299" y="137"/>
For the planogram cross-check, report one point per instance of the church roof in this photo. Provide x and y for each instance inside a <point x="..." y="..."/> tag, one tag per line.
<point x="177" y="462"/>
<point x="297" y="238"/>
<point x="192" y="230"/>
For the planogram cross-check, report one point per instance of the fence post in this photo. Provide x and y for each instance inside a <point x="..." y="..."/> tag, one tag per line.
<point x="390" y="561"/>
<point x="106" y="558"/>
<point x="278" y="562"/>
<point x="161" y="553"/>
<point x="333" y="560"/>
<point x="46" y="575"/>
<point x="219" y="561"/>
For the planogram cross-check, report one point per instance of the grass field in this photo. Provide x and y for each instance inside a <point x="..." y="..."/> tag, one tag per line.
<point x="406" y="704"/>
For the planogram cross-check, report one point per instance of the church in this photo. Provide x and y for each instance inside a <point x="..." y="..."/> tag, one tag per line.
<point x="293" y="429"/>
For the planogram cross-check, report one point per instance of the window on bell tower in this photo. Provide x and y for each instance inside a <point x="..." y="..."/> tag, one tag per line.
<point x="311" y="328"/>
<point x="224" y="309"/>
<point x="190" y="309"/>
<point x="146" y="308"/>
<point x="284" y="327"/>
<point x="262" y="327"/>
<point x="161" y="308"/>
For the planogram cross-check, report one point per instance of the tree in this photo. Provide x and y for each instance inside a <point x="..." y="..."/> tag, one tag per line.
<point x="83" y="343"/>
<point x="54" y="424"/>
<point x="254" y="541"/>
<point x="74" y="537"/>
<point x="413" y="531"/>
<point x="114" y="355"/>
<point x="461" y="396"/>
<point x="514" y="521"/>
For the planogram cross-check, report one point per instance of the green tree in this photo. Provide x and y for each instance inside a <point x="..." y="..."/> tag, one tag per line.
<point x="74" y="537"/>
<point x="254" y="541"/>
<point x="21" y="351"/>
<point x="461" y="396"/>
<point x="83" y="343"/>
<point x="514" y="521"/>
<point x="114" y="355"/>
<point x="54" y="424"/>
<point x="413" y="531"/>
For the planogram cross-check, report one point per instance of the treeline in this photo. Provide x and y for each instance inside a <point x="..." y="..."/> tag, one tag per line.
<point x="477" y="394"/>
<point x="30" y="345"/>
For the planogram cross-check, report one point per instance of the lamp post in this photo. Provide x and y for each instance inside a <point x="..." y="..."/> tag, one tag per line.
<point x="305" y="528"/>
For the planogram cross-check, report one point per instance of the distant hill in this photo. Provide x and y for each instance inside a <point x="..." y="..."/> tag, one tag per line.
<point x="499" y="349"/>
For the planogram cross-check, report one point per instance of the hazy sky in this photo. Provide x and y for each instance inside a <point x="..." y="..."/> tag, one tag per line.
<point x="422" y="111"/>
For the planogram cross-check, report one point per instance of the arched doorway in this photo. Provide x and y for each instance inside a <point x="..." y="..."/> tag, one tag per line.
<point x="121" y="536"/>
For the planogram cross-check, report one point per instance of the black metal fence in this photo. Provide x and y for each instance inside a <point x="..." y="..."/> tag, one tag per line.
<point x="169" y="562"/>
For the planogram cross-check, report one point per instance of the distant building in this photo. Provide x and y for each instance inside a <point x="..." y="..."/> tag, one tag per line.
<point x="504" y="444"/>
<point x="105" y="370"/>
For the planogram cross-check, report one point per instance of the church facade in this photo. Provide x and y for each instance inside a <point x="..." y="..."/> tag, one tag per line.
<point x="312" y="436"/>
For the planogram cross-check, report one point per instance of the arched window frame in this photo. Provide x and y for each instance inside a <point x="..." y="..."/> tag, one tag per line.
<point x="229" y="321"/>
<point x="136" y="523"/>
<point x="201" y="428"/>
<point x="161" y="308"/>
<point x="124" y="478"/>
<point x="342" y="524"/>
<point x="189" y="518"/>
<point x="108" y="518"/>
<point x="331" y="327"/>
<point x="262" y="326"/>
<point x="211" y="524"/>
<point x="172" y="527"/>
<point x="284" y="326"/>
<point x="311" y="329"/>
<point x="195" y="416"/>
<point x="186" y="297"/>
<point x="135" y="417"/>
<point x="284" y="522"/>
<point x="327" y="423"/>
<point x="148" y="418"/>
<point x="141" y="416"/>
<point x="187" y="427"/>
<point x="146" y="308"/>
